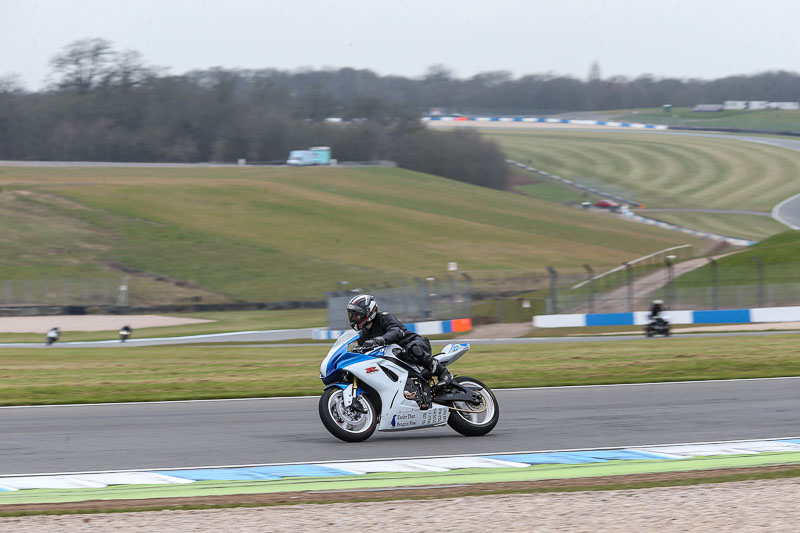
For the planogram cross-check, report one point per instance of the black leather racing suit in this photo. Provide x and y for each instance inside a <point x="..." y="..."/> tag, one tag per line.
<point x="416" y="348"/>
<point x="655" y="314"/>
<point x="655" y="311"/>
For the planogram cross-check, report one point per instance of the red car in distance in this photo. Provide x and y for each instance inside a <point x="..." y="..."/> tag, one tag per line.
<point x="606" y="204"/>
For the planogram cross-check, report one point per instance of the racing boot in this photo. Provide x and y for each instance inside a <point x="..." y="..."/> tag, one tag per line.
<point x="442" y="374"/>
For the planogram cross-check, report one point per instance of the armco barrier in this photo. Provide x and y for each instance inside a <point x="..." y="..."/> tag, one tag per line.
<point x="639" y="318"/>
<point x="434" y="327"/>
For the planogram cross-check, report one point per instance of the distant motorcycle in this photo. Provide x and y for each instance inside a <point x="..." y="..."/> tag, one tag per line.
<point x="53" y="335"/>
<point x="124" y="333"/>
<point x="375" y="390"/>
<point x="657" y="326"/>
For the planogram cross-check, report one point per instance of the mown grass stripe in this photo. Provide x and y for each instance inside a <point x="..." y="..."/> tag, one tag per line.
<point x="666" y="170"/>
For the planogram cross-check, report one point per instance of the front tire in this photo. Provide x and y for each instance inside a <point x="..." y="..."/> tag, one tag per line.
<point x="478" y="423"/>
<point x="345" y="423"/>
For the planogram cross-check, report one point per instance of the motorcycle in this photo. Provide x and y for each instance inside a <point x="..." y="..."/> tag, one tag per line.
<point x="657" y="326"/>
<point x="53" y="335"/>
<point x="372" y="389"/>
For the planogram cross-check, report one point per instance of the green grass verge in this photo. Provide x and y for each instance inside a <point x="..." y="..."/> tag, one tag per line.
<point x="55" y="376"/>
<point x="267" y="234"/>
<point x="779" y="255"/>
<point x="553" y="192"/>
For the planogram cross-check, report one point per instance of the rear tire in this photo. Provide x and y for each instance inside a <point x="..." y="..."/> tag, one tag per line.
<point x="346" y="424"/>
<point x="475" y="425"/>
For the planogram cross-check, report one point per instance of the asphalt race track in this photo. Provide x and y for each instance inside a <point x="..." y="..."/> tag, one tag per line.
<point x="258" y="431"/>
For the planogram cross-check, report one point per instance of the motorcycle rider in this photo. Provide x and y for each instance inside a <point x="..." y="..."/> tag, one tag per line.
<point x="379" y="329"/>
<point x="52" y="335"/>
<point x="655" y="313"/>
<point x="124" y="333"/>
<point x="656" y="309"/>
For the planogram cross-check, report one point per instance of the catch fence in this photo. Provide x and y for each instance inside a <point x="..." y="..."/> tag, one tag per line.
<point x="699" y="284"/>
<point x="63" y="292"/>
<point x="424" y="299"/>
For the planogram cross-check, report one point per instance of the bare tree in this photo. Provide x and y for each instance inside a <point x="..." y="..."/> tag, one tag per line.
<point x="82" y="64"/>
<point x="128" y="69"/>
<point x="439" y="73"/>
<point x="594" y="72"/>
<point x="11" y="83"/>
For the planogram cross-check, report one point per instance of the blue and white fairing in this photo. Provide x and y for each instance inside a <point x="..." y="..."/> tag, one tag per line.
<point x="386" y="378"/>
<point x="332" y="368"/>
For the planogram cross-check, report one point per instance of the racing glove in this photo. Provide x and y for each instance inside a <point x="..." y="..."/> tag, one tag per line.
<point x="373" y="343"/>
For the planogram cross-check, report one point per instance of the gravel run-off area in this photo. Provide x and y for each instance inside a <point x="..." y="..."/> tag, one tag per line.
<point x="745" y="506"/>
<point x="40" y="324"/>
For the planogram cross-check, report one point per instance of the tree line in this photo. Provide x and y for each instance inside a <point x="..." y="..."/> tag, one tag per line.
<point x="105" y="104"/>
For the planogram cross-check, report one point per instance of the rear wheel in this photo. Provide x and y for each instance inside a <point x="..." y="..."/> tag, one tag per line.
<point x="347" y="423"/>
<point x="474" y="419"/>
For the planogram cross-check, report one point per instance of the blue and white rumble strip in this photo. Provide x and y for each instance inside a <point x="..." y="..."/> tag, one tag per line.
<point x="429" y="464"/>
<point x="549" y="120"/>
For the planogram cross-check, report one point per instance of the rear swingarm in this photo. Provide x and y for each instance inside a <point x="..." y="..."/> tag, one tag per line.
<point x="457" y="393"/>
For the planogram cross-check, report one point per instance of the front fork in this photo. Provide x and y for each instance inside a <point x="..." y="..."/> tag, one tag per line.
<point x="350" y="394"/>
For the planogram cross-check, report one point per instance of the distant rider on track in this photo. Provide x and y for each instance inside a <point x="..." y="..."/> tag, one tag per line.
<point x="52" y="335"/>
<point x="656" y="309"/>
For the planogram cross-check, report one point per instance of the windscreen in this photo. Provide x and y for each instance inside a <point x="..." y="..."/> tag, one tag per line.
<point x="346" y="338"/>
<point x="339" y="346"/>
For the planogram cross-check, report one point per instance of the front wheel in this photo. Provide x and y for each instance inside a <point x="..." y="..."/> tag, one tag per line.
<point x="347" y="423"/>
<point x="471" y="419"/>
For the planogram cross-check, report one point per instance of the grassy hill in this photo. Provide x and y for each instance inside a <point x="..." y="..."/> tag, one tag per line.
<point x="268" y="234"/>
<point x="779" y="254"/>
<point x="668" y="171"/>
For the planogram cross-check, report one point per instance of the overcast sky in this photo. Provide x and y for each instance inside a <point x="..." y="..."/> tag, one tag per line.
<point x="677" y="38"/>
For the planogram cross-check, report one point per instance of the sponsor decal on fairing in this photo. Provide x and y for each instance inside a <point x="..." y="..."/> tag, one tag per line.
<point x="434" y="416"/>
<point x="406" y="420"/>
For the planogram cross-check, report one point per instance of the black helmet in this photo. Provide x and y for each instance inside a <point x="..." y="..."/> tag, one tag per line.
<point x="361" y="310"/>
